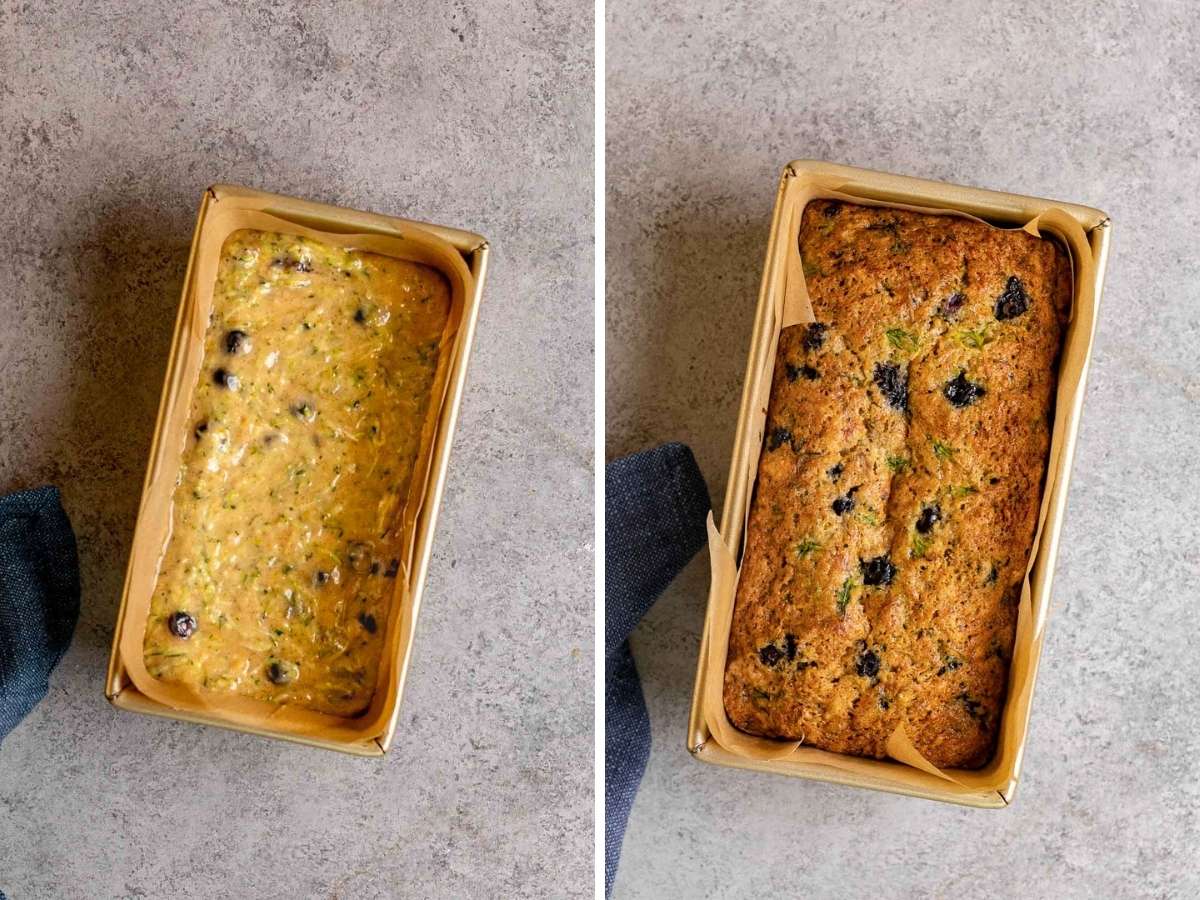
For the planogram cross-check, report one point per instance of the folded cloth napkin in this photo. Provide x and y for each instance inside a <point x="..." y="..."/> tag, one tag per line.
<point x="655" y="508"/>
<point x="39" y="598"/>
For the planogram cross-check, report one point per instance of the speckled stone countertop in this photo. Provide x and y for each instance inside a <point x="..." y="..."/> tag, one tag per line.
<point x="1092" y="103"/>
<point x="113" y="119"/>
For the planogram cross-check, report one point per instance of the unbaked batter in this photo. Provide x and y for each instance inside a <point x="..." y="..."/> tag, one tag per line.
<point x="306" y="423"/>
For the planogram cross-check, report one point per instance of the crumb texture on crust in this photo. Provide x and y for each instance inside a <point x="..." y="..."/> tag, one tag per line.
<point x="899" y="485"/>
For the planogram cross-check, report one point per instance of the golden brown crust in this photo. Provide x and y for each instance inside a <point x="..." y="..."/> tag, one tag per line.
<point x="899" y="485"/>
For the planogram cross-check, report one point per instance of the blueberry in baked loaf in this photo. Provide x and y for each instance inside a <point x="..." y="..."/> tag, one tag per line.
<point x="899" y="484"/>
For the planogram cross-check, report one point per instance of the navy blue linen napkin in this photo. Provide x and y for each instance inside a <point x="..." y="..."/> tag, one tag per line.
<point x="655" y="508"/>
<point x="39" y="598"/>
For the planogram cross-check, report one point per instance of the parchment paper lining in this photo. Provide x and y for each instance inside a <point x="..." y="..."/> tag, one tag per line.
<point x="791" y="306"/>
<point x="155" y="516"/>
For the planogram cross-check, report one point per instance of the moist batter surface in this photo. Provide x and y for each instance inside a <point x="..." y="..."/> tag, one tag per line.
<point x="305" y="426"/>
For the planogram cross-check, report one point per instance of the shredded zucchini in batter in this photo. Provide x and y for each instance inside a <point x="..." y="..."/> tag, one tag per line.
<point x="318" y="369"/>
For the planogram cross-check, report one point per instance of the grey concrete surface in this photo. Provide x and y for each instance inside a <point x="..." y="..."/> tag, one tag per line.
<point x="113" y="119"/>
<point x="1096" y="103"/>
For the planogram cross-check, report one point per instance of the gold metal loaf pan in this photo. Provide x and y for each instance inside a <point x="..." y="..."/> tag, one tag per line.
<point x="462" y="257"/>
<point x="1086" y="233"/>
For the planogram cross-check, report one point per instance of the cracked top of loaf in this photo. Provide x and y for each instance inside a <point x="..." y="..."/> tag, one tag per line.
<point x="899" y="484"/>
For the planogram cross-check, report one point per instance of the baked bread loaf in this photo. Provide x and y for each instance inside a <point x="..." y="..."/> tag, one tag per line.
<point x="899" y="485"/>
